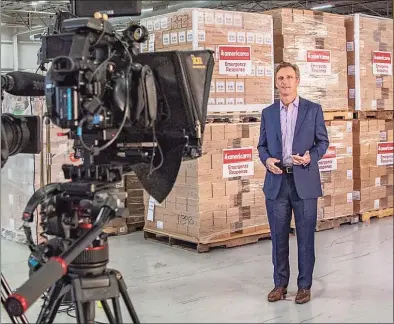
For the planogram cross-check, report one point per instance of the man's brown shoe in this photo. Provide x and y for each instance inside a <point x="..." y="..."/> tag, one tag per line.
<point x="303" y="296"/>
<point x="276" y="294"/>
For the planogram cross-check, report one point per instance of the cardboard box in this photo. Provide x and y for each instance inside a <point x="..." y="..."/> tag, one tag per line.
<point x="243" y="46"/>
<point x="373" y="164"/>
<point x="316" y="42"/>
<point x="336" y="171"/>
<point x="219" y="194"/>
<point x="370" y="62"/>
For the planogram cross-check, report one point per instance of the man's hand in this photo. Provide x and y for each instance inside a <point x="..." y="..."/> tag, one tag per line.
<point x="301" y="160"/>
<point x="270" y="163"/>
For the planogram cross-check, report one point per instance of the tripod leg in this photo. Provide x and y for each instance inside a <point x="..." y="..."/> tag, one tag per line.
<point x="117" y="310"/>
<point x="108" y="312"/>
<point x="85" y="312"/>
<point x="51" y="306"/>
<point x="126" y="297"/>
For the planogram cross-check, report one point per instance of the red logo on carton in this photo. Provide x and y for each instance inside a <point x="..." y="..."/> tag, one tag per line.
<point x="318" y="56"/>
<point x="381" y="57"/>
<point x="386" y="148"/>
<point x="237" y="53"/>
<point x="331" y="153"/>
<point x="238" y="156"/>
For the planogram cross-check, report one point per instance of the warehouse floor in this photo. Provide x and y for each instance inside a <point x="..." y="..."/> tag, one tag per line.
<point x="353" y="279"/>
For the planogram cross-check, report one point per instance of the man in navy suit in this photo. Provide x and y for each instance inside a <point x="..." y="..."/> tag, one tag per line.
<point x="293" y="138"/>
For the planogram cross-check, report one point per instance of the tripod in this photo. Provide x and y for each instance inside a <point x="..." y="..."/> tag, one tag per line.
<point x="81" y="270"/>
<point x="85" y="292"/>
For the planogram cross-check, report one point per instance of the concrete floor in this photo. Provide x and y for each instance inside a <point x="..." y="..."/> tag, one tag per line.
<point x="353" y="280"/>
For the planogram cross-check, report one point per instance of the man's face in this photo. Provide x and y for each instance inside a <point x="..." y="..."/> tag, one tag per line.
<point x="287" y="81"/>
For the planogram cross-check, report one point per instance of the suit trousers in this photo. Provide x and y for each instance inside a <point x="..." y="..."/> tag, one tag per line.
<point x="279" y="213"/>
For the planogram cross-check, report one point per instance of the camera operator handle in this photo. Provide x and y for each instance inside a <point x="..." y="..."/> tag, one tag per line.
<point x="56" y="267"/>
<point x="32" y="289"/>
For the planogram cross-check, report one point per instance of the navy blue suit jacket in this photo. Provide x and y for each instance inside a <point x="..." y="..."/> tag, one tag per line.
<point x="310" y="134"/>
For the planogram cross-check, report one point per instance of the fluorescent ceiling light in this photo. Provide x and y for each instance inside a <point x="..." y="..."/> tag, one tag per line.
<point x="326" y="6"/>
<point x="34" y="3"/>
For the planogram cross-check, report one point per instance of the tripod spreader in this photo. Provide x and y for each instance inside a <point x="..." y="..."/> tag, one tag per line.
<point x="18" y="303"/>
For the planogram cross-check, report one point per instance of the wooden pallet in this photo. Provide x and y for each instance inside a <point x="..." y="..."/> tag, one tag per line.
<point x="234" y="116"/>
<point x="190" y="243"/>
<point x="374" y="114"/>
<point x="380" y="213"/>
<point x="337" y="115"/>
<point x="137" y="226"/>
<point x="330" y="223"/>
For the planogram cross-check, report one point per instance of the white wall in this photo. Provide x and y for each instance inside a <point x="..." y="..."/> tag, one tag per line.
<point x="20" y="56"/>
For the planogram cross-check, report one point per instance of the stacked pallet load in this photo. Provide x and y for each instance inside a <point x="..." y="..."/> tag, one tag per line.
<point x="135" y="207"/>
<point x="370" y="80"/>
<point x="316" y="42"/>
<point x="336" y="171"/>
<point x="218" y="198"/>
<point x="243" y="74"/>
<point x="370" y="62"/>
<point x="373" y="167"/>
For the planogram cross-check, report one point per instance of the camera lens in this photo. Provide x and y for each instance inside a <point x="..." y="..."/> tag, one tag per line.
<point x="63" y="64"/>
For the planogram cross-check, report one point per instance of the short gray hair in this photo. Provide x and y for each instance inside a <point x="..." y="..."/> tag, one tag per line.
<point x="287" y="64"/>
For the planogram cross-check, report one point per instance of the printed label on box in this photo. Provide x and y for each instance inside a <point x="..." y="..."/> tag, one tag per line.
<point x="149" y="25"/>
<point x="164" y="23"/>
<point x="230" y="101"/>
<point x="151" y="47"/>
<point x="329" y="160"/>
<point x="189" y="35"/>
<point x="241" y="37"/>
<point x="239" y="101"/>
<point x="379" y="82"/>
<point x="383" y="136"/>
<point x="377" y="182"/>
<point x="220" y="101"/>
<point x="159" y="225"/>
<point x="385" y="153"/>
<point x="166" y="39"/>
<point x="351" y="70"/>
<point x="259" y="39"/>
<point x="219" y="18"/>
<point x="151" y="209"/>
<point x="356" y="195"/>
<point x="237" y="20"/>
<point x="220" y="86"/>
<point x="382" y="63"/>
<point x="352" y="93"/>
<point x="319" y="62"/>
<point x="349" y="127"/>
<point x="230" y="86"/>
<point x="268" y="71"/>
<point x="350" y="46"/>
<point x="182" y="37"/>
<point x="376" y="204"/>
<point x="232" y="37"/>
<point x="228" y="19"/>
<point x="156" y="24"/>
<point x="349" y="197"/>
<point x="250" y="37"/>
<point x="174" y="38"/>
<point x="267" y="40"/>
<point x="209" y="18"/>
<point x="349" y="174"/>
<point x="238" y="162"/>
<point x="235" y="60"/>
<point x="349" y="150"/>
<point x="201" y="35"/>
<point x="260" y="71"/>
<point x="211" y="101"/>
<point x="240" y="86"/>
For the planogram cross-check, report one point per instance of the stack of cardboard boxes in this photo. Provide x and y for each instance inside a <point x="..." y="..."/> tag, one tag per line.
<point x="373" y="164"/>
<point x="243" y="46"/>
<point x="336" y="170"/>
<point x="316" y="42"/>
<point x="220" y="193"/>
<point x="370" y="62"/>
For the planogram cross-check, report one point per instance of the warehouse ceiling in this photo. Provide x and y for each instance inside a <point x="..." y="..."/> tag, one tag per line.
<point x="30" y="17"/>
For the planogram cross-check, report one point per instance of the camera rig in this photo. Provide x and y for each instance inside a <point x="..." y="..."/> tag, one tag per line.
<point x="126" y="112"/>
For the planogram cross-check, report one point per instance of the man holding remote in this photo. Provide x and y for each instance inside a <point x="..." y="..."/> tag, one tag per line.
<point x="293" y="138"/>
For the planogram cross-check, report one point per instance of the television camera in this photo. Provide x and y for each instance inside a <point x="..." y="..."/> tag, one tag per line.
<point x="126" y="112"/>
